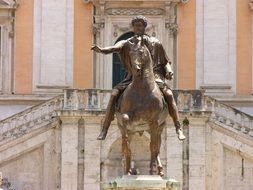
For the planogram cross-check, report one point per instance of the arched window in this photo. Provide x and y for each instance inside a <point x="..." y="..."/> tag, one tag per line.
<point x="118" y="69"/>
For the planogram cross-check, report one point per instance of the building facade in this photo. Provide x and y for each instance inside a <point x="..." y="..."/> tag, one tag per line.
<point x="47" y="139"/>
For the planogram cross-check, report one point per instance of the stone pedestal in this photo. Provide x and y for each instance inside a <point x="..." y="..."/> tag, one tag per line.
<point x="142" y="182"/>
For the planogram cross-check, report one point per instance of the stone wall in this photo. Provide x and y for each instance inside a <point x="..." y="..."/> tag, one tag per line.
<point x="32" y="162"/>
<point x="230" y="160"/>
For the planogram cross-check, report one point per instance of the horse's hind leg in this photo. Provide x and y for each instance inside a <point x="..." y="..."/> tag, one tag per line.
<point x="154" y="146"/>
<point x="126" y="149"/>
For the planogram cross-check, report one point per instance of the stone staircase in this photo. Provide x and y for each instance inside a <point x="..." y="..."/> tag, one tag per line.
<point x="36" y="117"/>
<point x="230" y="118"/>
<point x="95" y="100"/>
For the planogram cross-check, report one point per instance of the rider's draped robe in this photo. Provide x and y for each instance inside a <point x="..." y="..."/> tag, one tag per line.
<point x="161" y="62"/>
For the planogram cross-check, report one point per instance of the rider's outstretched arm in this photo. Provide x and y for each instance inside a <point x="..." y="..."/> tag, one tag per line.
<point x="110" y="49"/>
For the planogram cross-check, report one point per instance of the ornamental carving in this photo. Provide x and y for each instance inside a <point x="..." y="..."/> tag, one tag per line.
<point x="97" y="27"/>
<point x="121" y="29"/>
<point x="8" y="4"/>
<point x="99" y="1"/>
<point x="172" y="27"/>
<point x="134" y="11"/>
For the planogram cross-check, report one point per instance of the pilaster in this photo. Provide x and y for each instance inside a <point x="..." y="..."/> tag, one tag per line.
<point x="197" y="153"/>
<point x="69" y="162"/>
<point x="92" y="153"/>
<point x="174" y="153"/>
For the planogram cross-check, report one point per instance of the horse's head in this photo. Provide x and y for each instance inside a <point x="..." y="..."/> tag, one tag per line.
<point x="139" y="55"/>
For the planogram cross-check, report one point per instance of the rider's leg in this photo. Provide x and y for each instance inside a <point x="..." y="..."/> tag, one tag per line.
<point x="168" y="95"/>
<point x="109" y="115"/>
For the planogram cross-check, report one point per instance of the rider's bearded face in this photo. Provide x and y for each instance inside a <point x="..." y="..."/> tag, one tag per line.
<point x="139" y="28"/>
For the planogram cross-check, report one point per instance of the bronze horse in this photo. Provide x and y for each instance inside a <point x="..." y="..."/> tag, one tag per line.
<point x="142" y="107"/>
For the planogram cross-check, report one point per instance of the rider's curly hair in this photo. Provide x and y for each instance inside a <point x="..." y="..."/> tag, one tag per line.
<point x="140" y="18"/>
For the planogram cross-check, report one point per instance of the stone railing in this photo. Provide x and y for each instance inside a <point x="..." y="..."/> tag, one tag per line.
<point x="30" y="119"/>
<point x="187" y="101"/>
<point x="229" y="116"/>
<point x="97" y="99"/>
<point x="86" y="99"/>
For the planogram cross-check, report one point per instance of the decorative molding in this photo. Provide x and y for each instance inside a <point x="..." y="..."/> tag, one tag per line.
<point x="8" y="4"/>
<point x="124" y="29"/>
<point x="117" y="28"/>
<point x="172" y="27"/>
<point x="41" y="86"/>
<point x="170" y="20"/>
<point x="135" y="11"/>
<point x="6" y="29"/>
<point x="97" y="27"/>
<point x="151" y="29"/>
<point x="119" y="1"/>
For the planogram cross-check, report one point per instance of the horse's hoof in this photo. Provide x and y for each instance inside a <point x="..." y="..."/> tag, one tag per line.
<point x="129" y="172"/>
<point x="100" y="138"/>
<point x="161" y="174"/>
<point x="102" y="135"/>
<point x="160" y="171"/>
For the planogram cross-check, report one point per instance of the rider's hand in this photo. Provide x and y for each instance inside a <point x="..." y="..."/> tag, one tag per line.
<point x="169" y="75"/>
<point x="96" y="49"/>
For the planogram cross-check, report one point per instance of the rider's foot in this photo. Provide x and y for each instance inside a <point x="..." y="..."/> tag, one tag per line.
<point x="102" y="134"/>
<point x="180" y="135"/>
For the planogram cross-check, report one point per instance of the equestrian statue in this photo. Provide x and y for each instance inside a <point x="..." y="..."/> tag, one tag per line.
<point x="142" y="100"/>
